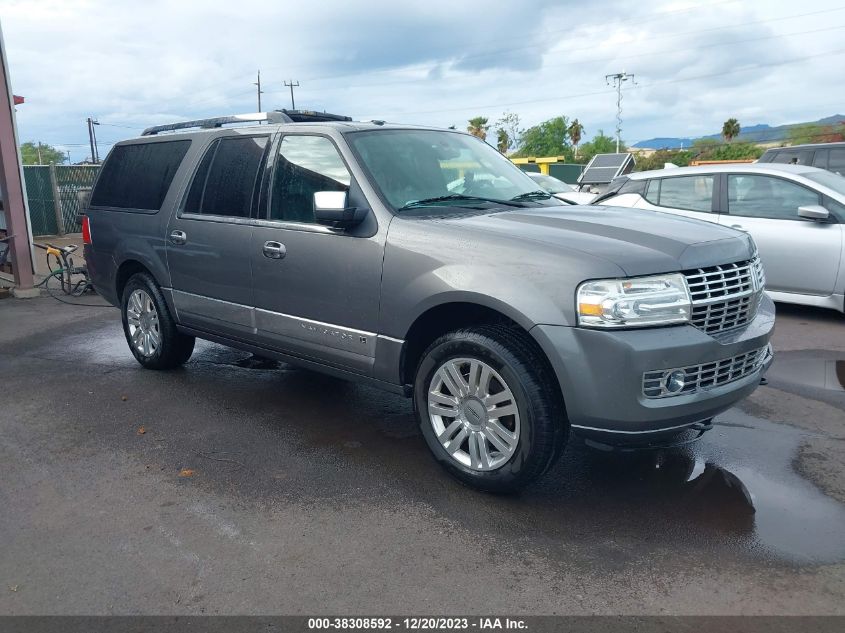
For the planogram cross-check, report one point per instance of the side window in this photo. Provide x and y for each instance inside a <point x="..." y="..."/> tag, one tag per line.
<point x="652" y="191"/>
<point x="795" y="157"/>
<point x="836" y="161"/>
<point x="766" y="197"/>
<point x="137" y="176"/>
<point x="228" y="176"/>
<point x="693" y="193"/>
<point x="305" y="165"/>
<point x="820" y="159"/>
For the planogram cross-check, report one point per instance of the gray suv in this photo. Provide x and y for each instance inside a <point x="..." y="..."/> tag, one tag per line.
<point x="423" y="262"/>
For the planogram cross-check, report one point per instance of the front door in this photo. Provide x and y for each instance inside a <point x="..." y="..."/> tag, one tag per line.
<point x="208" y="239"/>
<point x="316" y="289"/>
<point x="799" y="256"/>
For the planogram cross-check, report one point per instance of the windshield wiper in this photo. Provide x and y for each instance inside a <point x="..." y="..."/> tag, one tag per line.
<point x="538" y="194"/>
<point x="456" y="197"/>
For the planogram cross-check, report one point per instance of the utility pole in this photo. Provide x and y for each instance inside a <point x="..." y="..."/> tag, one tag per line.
<point x="618" y="80"/>
<point x="40" y="162"/>
<point x="92" y="138"/>
<point x="67" y="151"/>
<point x="292" y="86"/>
<point x="260" y="91"/>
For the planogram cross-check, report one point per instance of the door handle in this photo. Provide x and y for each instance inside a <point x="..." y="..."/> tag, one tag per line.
<point x="178" y="237"/>
<point x="274" y="250"/>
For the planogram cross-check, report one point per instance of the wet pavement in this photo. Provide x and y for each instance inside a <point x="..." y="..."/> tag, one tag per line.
<point x="243" y="485"/>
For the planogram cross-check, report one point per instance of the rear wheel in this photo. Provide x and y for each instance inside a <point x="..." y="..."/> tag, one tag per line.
<point x="149" y="327"/>
<point x="489" y="411"/>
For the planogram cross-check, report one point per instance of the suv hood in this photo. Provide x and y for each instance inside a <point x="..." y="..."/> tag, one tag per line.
<point x="639" y="242"/>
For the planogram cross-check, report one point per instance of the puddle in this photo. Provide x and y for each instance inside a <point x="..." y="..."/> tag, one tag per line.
<point x="736" y="487"/>
<point x="257" y="362"/>
<point x="821" y="373"/>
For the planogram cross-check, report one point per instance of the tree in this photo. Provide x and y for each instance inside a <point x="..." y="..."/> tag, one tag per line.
<point x="658" y="159"/>
<point x="510" y="123"/>
<point x="48" y="154"/>
<point x="478" y="126"/>
<point x="601" y="144"/>
<point x="730" y="129"/>
<point x="575" y="131"/>
<point x="549" y="138"/>
<point x="503" y="141"/>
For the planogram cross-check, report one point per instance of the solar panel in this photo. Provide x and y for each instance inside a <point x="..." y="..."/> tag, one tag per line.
<point x="603" y="168"/>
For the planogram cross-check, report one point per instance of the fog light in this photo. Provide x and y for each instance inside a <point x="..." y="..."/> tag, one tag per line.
<point x="675" y="381"/>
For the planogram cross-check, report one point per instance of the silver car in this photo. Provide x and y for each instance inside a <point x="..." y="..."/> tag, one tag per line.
<point x="795" y="213"/>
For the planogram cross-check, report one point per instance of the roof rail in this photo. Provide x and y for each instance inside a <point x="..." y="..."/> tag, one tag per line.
<point x="274" y="116"/>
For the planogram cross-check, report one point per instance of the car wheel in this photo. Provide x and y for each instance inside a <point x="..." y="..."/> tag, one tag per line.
<point x="488" y="408"/>
<point x="149" y="327"/>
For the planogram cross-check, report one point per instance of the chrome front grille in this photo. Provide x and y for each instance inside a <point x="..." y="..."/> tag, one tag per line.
<point x="726" y="296"/>
<point x="706" y="376"/>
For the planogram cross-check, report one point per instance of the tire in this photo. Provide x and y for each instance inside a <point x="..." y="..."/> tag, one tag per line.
<point x="149" y="327"/>
<point x="535" y="430"/>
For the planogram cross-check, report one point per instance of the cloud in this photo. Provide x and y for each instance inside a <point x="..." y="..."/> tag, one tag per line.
<point x="136" y="64"/>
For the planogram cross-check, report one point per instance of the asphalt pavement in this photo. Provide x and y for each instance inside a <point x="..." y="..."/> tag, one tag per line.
<point x="241" y="485"/>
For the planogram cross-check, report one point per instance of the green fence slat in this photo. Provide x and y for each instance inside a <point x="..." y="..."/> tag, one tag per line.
<point x="39" y="195"/>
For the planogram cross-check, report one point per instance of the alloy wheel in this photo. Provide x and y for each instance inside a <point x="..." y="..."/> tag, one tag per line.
<point x="143" y="324"/>
<point x="473" y="413"/>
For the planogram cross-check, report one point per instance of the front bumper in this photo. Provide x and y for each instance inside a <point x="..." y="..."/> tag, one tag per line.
<point x="601" y="374"/>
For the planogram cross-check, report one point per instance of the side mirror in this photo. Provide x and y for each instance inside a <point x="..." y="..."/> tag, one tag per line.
<point x="330" y="209"/>
<point x="813" y="212"/>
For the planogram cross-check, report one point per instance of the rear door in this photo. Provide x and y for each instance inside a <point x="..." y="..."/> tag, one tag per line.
<point x="316" y="289"/>
<point x="690" y="196"/>
<point x="799" y="256"/>
<point x="208" y="238"/>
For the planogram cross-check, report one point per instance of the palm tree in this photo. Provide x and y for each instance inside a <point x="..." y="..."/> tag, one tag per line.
<point x="478" y="126"/>
<point x="730" y="129"/>
<point x="503" y="141"/>
<point x="575" y="131"/>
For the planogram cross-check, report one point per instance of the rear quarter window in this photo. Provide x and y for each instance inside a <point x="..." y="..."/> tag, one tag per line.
<point x="138" y="176"/>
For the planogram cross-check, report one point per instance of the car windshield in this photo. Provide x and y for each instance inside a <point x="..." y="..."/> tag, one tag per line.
<point x="827" y="179"/>
<point x="419" y="168"/>
<point x="550" y="183"/>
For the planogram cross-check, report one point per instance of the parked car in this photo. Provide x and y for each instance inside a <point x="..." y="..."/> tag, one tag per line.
<point x="510" y="319"/>
<point x="796" y="215"/>
<point x="829" y="156"/>
<point x="561" y="190"/>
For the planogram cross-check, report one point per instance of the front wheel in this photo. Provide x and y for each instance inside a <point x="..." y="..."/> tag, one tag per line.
<point x="488" y="407"/>
<point x="149" y="328"/>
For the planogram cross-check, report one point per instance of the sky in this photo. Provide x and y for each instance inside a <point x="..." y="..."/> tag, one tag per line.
<point x="131" y="64"/>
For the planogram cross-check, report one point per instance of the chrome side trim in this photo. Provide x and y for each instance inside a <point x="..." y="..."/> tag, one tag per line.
<point x="208" y="308"/>
<point x="660" y="430"/>
<point x="322" y="334"/>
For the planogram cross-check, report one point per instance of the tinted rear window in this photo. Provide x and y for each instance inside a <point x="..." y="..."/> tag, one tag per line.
<point x="228" y="176"/>
<point x="138" y="176"/>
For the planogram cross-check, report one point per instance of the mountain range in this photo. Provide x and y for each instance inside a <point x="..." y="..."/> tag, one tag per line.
<point x="759" y="133"/>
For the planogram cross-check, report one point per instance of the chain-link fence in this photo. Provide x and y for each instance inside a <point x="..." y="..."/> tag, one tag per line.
<point x="52" y="195"/>
<point x="39" y="194"/>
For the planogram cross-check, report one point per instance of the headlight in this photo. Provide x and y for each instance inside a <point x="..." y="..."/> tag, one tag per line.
<point x="641" y="301"/>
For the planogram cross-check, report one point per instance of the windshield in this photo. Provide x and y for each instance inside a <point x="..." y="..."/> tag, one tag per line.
<point x="415" y="168"/>
<point x="550" y="183"/>
<point x="827" y="179"/>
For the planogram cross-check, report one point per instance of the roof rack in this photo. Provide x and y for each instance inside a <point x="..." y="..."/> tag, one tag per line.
<point x="274" y="116"/>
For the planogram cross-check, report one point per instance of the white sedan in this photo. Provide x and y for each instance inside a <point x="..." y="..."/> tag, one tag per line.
<point x="795" y="213"/>
<point x="561" y="190"/>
